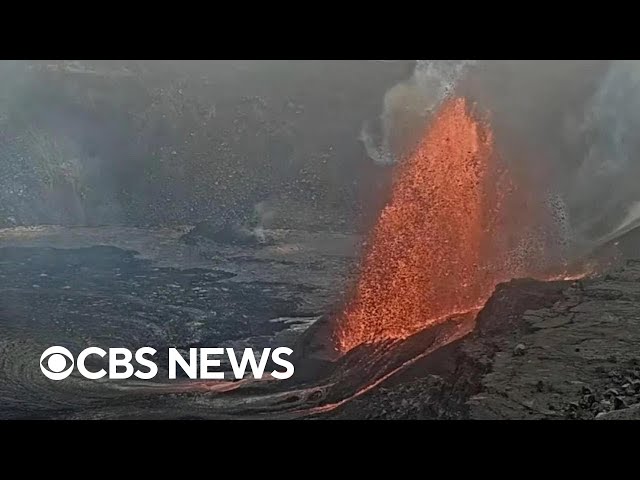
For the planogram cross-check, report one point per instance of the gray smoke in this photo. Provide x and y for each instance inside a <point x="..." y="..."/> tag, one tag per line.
<point x="606" y="191"/>
<point x="568" y="127"/>
<point x="407" y="106"/>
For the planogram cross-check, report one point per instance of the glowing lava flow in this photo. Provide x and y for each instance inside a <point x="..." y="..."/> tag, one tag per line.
<point x="455" y="226"/>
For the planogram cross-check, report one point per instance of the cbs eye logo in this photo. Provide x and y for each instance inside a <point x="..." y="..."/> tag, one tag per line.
<point x="56" y="365"/>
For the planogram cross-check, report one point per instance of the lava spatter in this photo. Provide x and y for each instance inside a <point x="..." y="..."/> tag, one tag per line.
<point x="455" y="226"/>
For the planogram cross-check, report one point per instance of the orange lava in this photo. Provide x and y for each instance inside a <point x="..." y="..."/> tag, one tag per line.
<point x="455" y="226"/>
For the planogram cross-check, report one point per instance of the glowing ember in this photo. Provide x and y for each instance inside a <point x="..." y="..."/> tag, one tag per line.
<point x="455" y="226"/>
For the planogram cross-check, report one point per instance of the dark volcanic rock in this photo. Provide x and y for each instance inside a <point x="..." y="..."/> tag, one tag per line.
<point x="124" y="287"/>
<point x="631" y="413"/>
<point x="581" y="339"/>
<point x="581" y="359"/>
<point x="227" y="233"/>
<point x="458" y="366"/>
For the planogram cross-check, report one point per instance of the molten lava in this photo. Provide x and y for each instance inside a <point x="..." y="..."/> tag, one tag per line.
<point x="454" y="227"/>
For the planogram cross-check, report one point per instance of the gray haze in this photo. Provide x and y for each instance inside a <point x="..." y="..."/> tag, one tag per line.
<point x="567" y="126"/>
<point x="175" y="142"/>
<point x="162" y="142"/>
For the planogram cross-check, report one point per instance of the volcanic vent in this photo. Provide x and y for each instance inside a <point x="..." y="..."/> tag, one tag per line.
<point x="457" y="223"/>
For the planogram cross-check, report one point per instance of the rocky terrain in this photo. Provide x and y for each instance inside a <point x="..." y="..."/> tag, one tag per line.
<point x="558" y="350"/>
<point x="537" y="350"/>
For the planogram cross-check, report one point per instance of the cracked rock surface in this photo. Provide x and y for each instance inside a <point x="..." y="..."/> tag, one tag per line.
<point x="558" y="350"/>
<point x="582" y="355"/>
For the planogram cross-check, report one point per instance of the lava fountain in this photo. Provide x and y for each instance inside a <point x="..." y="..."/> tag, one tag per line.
<point x="454" y="227"/>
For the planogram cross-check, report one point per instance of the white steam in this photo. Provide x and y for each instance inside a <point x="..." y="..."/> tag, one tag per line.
<point x="570" y="127"/>
<point x="606" y="190"/>
<point x="407" y="106"/>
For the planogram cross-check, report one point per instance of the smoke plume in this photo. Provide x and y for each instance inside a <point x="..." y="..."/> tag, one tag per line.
<point x="566" y="128"/>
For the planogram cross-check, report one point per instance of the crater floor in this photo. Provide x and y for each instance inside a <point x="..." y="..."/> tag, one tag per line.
<point x="539" y="350"/>
<point x="131" y="287"/>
